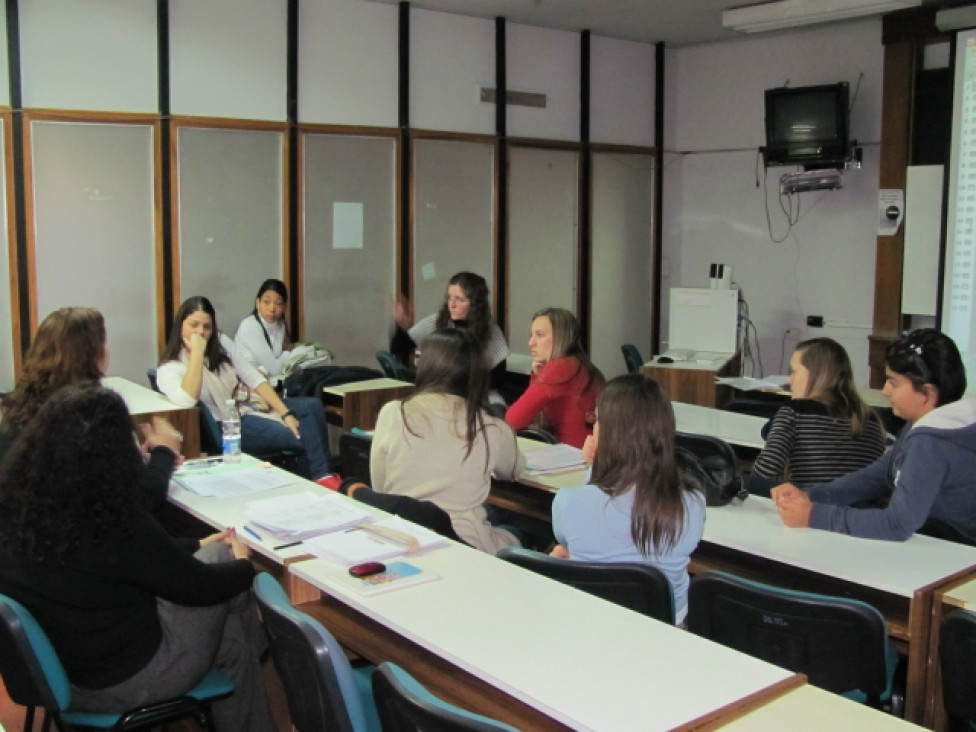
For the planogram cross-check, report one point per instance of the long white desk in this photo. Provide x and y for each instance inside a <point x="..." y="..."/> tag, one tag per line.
<point x="576" y="659"/>
<point x="899" y="578"/>
<point x="143" y="403"/>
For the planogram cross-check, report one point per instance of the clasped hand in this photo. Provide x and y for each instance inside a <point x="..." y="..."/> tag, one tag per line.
<point x="794" y="505"/>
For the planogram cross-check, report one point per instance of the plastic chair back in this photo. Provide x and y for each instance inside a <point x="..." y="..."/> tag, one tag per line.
<point x="957" y="658"/>
<point x="538" y="434"/>
<point x="404" y="705"/>
<point x="841" y="644"/>
<point x="423" y="513"/>
<point x="634" y="585"/>
<point x="354" y="452"/>
<point x="389" y="364"/>
<point x="323" y="691"/>
<point x="632" y="357"/>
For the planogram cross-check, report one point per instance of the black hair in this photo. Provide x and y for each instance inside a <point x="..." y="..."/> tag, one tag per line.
<point x="215" y="353"/>
<point x="929" y="356"/>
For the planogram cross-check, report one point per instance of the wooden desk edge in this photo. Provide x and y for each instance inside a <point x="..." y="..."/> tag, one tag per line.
<point x="735" y="710"/>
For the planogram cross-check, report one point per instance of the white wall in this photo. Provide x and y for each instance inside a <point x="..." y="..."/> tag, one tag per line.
<point x="714" y="211"/>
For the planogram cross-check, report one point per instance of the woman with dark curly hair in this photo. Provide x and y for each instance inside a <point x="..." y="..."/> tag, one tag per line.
<point x="133" y="616"/>
<point x="466" y="305"/>
<point x="70" y="348"/>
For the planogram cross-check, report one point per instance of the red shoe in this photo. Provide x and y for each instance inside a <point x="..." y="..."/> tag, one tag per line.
<point x="332" y="481"/>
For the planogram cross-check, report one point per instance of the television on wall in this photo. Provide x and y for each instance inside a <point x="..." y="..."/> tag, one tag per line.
<point x="807" y="126"/>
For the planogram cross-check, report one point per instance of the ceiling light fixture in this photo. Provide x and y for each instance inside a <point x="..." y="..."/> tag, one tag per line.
<point x="792" y="13"/>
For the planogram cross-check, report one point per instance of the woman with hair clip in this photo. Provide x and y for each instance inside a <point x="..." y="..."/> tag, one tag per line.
<point x="70" y="347"/>
<point x="564" y="385"/>
<point x="441" y="445"/>
<point x="262" y="337"/>
<point x="466" y="305"/>
<point x="825" y="431"/>
<point x="637" y="507"/>
<point x="928" y="477"/>
<point x="132" y="615"/>
<point x="200" y="363"/>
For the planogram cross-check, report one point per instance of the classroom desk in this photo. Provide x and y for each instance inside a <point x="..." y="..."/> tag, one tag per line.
<point x="511" y="644"/>
<point x="358" y="403"/>
<point x="809" y="709"/>
<point x="144" y="404"/>
<point x="901" y="579"/>
<point x="693" y="382"/>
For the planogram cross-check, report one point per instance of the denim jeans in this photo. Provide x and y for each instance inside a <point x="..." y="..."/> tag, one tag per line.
<point x="261" y="434"/>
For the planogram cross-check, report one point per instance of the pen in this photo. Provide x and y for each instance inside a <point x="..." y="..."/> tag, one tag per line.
<point x="286" y="546"/>
<point x="253" y="533"/>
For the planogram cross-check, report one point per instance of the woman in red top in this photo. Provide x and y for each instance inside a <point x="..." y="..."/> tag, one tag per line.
<point x="564" y="385"/>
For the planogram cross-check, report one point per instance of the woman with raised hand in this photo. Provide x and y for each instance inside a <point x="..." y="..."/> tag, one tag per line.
<point x="928" y="477"/>
<point x="201" y="364"/>
<point x="564" y="384"/>
<point x="133" y="616"/>
<point x="638" y="506"/>
<point x="826" y="430"/>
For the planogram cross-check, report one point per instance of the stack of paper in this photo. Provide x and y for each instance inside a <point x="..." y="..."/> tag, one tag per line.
<point x="747" y="383"/>
<point x="301" y="515"/>
<point x="553" y="458"/>
<point x="365" y="543"/>
<point x="222" y="480"/>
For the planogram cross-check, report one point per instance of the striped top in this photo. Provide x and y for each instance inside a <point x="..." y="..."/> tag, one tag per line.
<point x="807" y="446"/>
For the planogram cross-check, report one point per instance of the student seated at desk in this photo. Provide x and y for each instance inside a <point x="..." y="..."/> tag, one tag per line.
<point x="825" y="431"/>
<point x="564" y="383"/>
<point x="441" y="445"/>
<point x="201" y="364"/>
<point x="132" y="615"/>
<point x="70" y="347"/>
<point x="638" y="506"/>
<point x="928" y="476"/>
<point x="262" y="337"/>
<point x="466" y="305"/>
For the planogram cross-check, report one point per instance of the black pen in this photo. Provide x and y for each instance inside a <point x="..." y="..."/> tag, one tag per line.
<point x="286" y="546"/>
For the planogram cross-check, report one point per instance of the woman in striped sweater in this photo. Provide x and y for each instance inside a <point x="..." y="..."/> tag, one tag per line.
<point x="826" y="430"/>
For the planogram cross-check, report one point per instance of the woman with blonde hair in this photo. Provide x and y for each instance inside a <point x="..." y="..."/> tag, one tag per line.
<point x="826" y="430"/>
<point x="564" y="384"/>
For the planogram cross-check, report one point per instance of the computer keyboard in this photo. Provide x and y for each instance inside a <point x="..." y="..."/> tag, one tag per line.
<point x="680" y="354"/>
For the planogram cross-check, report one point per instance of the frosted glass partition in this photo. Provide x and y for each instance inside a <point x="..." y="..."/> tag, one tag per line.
<point x="350" y="243"/>
<point x="543" y="210"/>
<point x="622" y="273"/>
<point x="94" y="244"/>
<point x="230" y="205"/>
<point x="6" y="324"/>
<point x="453" y="216"/>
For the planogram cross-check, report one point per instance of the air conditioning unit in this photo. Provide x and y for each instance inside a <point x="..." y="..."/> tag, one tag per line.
<point x="811" y="180"/>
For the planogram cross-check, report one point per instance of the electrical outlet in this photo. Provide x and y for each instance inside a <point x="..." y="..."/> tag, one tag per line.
<point x="815" y="321"/>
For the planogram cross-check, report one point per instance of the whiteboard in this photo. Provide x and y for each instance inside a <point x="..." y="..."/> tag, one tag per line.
<point x="703" y="319"/>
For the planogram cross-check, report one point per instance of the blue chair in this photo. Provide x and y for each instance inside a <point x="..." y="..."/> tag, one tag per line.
<point x="633" y="585"/>
<point x="391" y="367"/>
<point x="840" y="644"/>
<point x="34" y="678"/>
<point x="632" y="357"/>
<point x="324" y="692"/>
<point x="957" y="660"/>
<point x="406" y="706"/>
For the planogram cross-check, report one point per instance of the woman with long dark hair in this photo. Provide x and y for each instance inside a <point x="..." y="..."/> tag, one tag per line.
<point x="564" y="383"/>
<point x="133" y="615"/>
<point x="441" y="444"/>
<point x="262" y="337"/>
<point x="928" y="476"/>
<point x="826" y="430"/>
<point x="637" y="506"/>
<point x="200" y="363"/>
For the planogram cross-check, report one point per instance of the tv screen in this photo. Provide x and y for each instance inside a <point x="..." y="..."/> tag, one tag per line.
<point x="807" y="126"/>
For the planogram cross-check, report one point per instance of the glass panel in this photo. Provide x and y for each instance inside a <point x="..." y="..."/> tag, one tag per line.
<point x="94" y="239"/>
<point x="622" y="274"/>
<point x="350" y="244"/>
<point x="543" y="215"/>
<point x="453" y="216"/>
<point x="230" y="216"/>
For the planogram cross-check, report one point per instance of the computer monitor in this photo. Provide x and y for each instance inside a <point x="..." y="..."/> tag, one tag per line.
<point x="703" y="319"/>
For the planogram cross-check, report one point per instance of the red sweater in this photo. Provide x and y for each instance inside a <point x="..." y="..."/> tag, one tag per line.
<point x="560" y="392"/>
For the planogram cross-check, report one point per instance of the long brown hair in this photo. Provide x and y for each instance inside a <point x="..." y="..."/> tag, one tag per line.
<point x="831" y="381"/>
<point x="635" y="451"/>
<point x="215" y="355"/>
<point x="451" y="363"/>
<point x="67" y="349"/>
<point x="567" y="340"/>
<point x="475" y="289"/>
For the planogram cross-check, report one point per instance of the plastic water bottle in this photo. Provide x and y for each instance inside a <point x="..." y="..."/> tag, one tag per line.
<point x="232" y="432"/>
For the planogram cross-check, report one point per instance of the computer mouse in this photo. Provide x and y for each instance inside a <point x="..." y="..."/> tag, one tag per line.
<point x="665" y="359"/>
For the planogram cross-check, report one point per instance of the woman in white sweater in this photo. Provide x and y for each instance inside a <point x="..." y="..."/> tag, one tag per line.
<point x="262" y="337"/>
<point x="443" y="446"/>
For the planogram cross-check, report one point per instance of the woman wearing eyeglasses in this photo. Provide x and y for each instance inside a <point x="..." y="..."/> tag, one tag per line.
<point x="465" y="305"/>
<point x="928" y="476"/>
